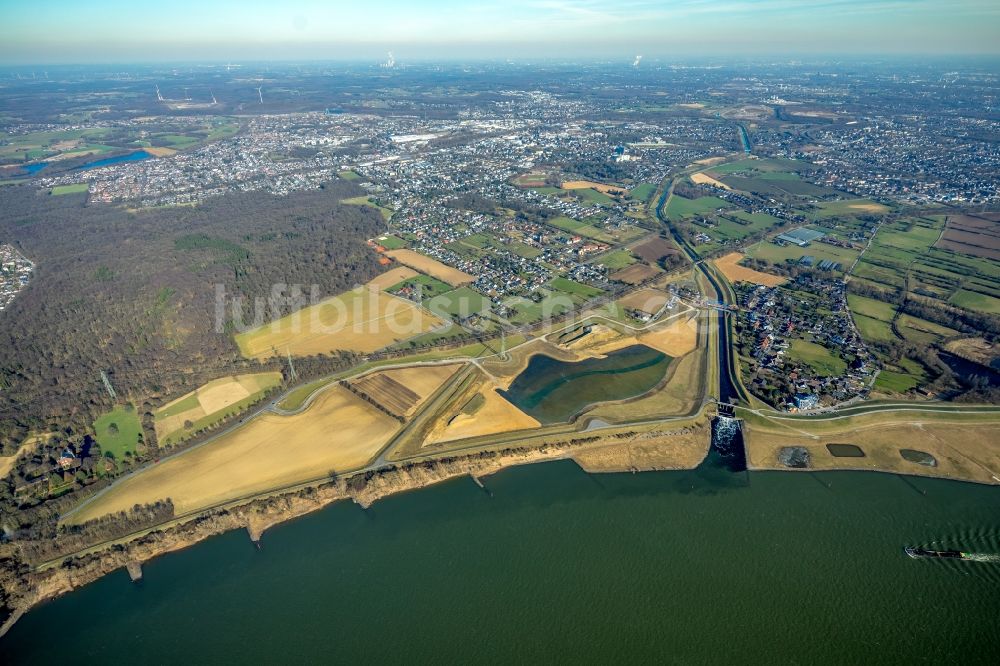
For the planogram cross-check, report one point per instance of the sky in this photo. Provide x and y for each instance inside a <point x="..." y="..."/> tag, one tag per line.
<point x="89" y="31"/>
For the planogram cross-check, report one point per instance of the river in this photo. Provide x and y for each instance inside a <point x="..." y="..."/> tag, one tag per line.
<point x="556" y="565"/>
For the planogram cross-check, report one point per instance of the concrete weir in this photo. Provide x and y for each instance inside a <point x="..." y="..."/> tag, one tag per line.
<point x="727" y="442"/>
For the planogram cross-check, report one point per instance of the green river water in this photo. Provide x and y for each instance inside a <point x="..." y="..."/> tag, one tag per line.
<point x="556" y="565"/>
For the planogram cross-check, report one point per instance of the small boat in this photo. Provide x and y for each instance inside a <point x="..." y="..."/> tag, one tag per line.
<point x="917" y="553"/>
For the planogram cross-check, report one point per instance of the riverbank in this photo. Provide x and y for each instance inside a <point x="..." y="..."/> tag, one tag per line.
<point x="256" y="516"/>
<point x="941" y="445"/>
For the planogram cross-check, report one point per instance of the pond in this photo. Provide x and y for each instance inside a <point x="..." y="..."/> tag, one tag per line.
<point x="553" y="391"/>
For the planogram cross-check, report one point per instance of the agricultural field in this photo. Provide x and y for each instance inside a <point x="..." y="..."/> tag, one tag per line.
<point x="649" y="301"/>
<point x="635" y="274"/>
<point x="209" y="404"/>
<point x="654" y="249"/>
<point x="392" y="277"/>
<point x="729" y="266"/>
<point x="484" y="413"/>
<point x="401" y="392"/>
<point x="591" y="185"/>
<point x="361" y="320"/>
<point x="339" y="431"/>
<point x="702" y="178"/>
<point x="118" y="431"/>
<point x="909" y="250"/>
<point x="432" y="267"/>
<point x="38" y="145"/>
<point x="971" y="235"/>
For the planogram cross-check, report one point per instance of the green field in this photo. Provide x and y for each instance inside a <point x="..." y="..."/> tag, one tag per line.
<point x="874" y="330"/>
<point x="177" y="141"/>
<point x="188" y="403"/>
<point x="850" y="207"/>
<point x="870" y="307"/>
<point x="679" y="207"/>
<point x="580" y="229"/>
<point x="366" y="201"/>
<point x="975" y="301"/>
<point x="348" y="175"/>
<point x="822" y="361"/>
<point x="763" y="166"/>
<point x="75" y="188"/>
<point x="123" y="419"/>
<point x="593" y="196"/>
<point x="779" y="255"/>
<point x="523" y="250"/>
<point x="391" y="242"/>
<point x="642" y="191"/>
<point x="574" y="288"/>
<point x="921" y="331"/>
<point x="429" y="287"/>
<point x="460" y="302"/>
<point x="618" y="259"/>
<point x="907" y="374"/>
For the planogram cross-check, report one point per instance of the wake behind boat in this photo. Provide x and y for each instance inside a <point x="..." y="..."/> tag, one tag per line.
<point x="918" y="553"/>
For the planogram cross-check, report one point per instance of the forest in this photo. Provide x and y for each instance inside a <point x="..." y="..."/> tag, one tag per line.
<point x="133" y="293"/>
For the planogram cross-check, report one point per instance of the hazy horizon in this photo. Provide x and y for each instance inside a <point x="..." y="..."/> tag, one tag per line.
<point x="113" y="31"/>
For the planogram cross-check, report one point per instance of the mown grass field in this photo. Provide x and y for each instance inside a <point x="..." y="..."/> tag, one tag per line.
<point x="975" y="301"/>
<point x="582" y="291"/>
<point x="75" y="188"/>
<point x="580" y="229"/>
<point x="117" y="432"/>
<point x="618" y="259"/>
<point x="642" y="191"/>
<point x="679" y="207"/>
<point x="391" y="242"/>
<point x="822" y="361"/>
